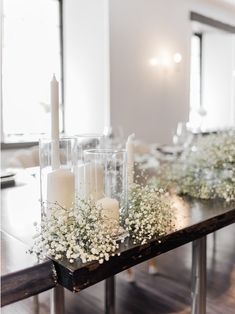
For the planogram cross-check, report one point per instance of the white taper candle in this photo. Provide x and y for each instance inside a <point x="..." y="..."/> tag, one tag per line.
<point x="55" y="123"/>
<point x="130" y="159"/>
<point x="60" y="182"/>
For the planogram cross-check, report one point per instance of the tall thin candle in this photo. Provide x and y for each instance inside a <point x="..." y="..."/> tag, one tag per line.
<point x="55" y="123"/>
<point x="60" y="182"/>
<point x="130" y="159"/>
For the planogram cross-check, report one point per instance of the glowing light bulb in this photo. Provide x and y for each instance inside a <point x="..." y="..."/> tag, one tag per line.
<point x="154" y="62"/>
<point x="177" y="57"/>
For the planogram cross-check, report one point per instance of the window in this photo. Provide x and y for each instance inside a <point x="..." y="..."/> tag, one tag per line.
<point x="195" y="80"/>
<point x="31" y="53"/>
<point x="212" y="86"/>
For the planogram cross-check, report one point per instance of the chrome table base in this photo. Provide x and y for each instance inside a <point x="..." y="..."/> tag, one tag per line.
<point x="199" y="276"/>
<point x="198" y="285"/>
<point x="110" y="295"/>
<point x="57" y="300"/>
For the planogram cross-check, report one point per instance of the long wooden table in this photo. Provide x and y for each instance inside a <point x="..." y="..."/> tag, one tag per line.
<point x="194" y="220"/>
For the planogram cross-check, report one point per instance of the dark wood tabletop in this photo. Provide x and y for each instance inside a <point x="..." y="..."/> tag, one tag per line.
<point x="194" y="219"/>
<point x="21" y="207"/>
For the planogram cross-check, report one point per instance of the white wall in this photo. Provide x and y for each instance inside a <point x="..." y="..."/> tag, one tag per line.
<point x="86" y="65"/>
<point x="144" y="100"/>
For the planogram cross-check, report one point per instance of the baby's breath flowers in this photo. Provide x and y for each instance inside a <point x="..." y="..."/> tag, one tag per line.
<point x="206" y="170"/>
<point x="96" y="235"/>
<point x="84" y="233"/>
<point x="149" y="213"/>
<point x="76" y="233"/>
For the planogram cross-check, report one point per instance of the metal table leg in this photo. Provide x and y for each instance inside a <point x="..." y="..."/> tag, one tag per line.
<point x="36" y="297"/>
<point x="214" y="242"/>
<point x="57" y="300"/>
<point x="199" y="276"/>
<point x="35" y="304"/>
<point x="110" y="295"/>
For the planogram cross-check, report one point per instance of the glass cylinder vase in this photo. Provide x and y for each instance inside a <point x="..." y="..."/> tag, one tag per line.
<point x="89" y="141"/>
<point x="104" y="180"/>
<point x="58" y="160"/>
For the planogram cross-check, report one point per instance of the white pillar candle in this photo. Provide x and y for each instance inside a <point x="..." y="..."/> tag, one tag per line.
<point x="90" y="181"/>
<point x="130" y="159"/>
<point x="55" y="160"/>
<point x="110" y="208"/>
<point x="61" y="187"/>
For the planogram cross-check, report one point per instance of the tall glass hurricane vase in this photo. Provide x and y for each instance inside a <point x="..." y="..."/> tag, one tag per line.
<point x="58" y="161"/>
<point x="105" y="181"/>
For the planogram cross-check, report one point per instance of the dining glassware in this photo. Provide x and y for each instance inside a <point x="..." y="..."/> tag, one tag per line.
<point x="183" y="137"/>
<point x="89" y="141"/>
<point x="114" y="137"/>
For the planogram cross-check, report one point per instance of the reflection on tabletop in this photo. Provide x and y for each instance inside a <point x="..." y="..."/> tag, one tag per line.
<point x="20" y="210"/>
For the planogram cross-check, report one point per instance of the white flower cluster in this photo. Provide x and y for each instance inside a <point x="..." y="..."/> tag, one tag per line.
<point x="82" y="233"/>
<point x="64" y="233"/>
<point x="206" y="170"/>
<point x="96" y="236"/>
<point x="149" y="213"/>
